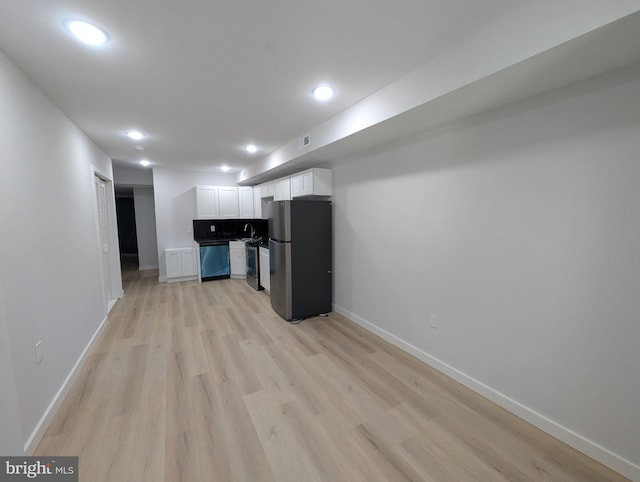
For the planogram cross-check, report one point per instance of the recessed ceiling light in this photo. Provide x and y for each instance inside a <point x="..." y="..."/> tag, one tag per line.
<point x="225" y="168"/>
<point x="251" y="148"/>
<point x="86" y="32"/>
<point x="144" y="162"/>
<point x="135" y="135"/>
<point x="323" y="92"/>
<point x="139" y="148"/>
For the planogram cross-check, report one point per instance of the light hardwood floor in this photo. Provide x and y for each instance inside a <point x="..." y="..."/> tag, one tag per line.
<point x="204" y="382"/>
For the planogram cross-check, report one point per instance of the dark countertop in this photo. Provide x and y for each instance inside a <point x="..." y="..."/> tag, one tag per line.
<point x="220" y="241"/>
<point x="213" y="242"/>
<point x="261" y="242"/>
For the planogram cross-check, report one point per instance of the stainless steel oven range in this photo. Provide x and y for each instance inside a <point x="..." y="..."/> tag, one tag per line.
<point x="253" y="266"/>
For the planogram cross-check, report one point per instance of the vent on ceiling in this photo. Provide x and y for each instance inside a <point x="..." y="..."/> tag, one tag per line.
<point x="304" y="141"/>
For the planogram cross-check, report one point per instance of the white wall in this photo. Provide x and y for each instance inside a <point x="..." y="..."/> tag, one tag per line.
<point x="49" y="256"/>
<point x="175" y="202"/>
<point x="520" y="229"/>
<point x="132" y="176"/>
<point x="144" y="206"/>
<point x="11" y="439"/>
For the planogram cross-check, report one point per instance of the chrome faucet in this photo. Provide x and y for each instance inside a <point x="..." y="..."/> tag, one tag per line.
<point x="253" y="231"/>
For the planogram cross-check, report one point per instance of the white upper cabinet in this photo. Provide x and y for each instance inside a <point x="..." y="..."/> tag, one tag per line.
<point x="257" y="202"/>
<point x="312" y="182"/>
<point x="282" y="191"/>
<point x="229" y="202"/>
<point x="207" y="202"/>
<point x="224" y="202"/>
<point x="267" y="189"/>
<point x="246" y="202"/>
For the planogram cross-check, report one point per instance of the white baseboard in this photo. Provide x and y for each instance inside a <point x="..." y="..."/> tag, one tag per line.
<point x="112" y="303"/>
<point x="178" y="280"/>
<point x="571" y="438"/>
<point x="147" y="268"/>
<point x="42" y="425"/>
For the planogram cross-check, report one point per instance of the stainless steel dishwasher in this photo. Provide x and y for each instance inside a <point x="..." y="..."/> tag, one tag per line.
<point x="214" y="260"/>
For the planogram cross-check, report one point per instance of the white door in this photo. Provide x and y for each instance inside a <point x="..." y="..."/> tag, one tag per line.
<point x="101" y="203"/>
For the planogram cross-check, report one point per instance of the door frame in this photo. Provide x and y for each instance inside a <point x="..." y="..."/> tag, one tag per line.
<point x="115" y="273"/>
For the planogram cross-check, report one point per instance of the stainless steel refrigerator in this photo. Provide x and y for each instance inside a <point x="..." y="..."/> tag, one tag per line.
<point x="300" y="258"/>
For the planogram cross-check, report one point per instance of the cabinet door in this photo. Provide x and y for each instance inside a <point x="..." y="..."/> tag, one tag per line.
<point x="173" y="260"/>
<point x="302" y="184"/>
<point x="257" y="202"/>
<point x="312" y="182"/>
<point x="207" y="206"/>
<point x="267" y="189"/>
<point x="277" y="191"/>
<point x="238" y="262"/>
<point x="265" y="274"/>
<point x="307" y="183"/>
<point x="188" y="259"/>
<point x="283" y="190"/>
<point x="246" y="202"/>
<point x="229" y="202"/>
<point x="297" y="186"/>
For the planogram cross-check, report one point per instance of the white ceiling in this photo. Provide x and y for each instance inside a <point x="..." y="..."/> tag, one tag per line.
<point x="205" y="77"/>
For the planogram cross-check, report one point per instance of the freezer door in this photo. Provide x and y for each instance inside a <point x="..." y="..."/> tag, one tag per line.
<point x="280" y="267"/>
<point x="280" y="220"/>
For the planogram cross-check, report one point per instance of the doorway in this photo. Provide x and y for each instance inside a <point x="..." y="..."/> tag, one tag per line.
<point x="107" y="237"/>
<point x="103" y="232"/>
<point x="127" y="233"/>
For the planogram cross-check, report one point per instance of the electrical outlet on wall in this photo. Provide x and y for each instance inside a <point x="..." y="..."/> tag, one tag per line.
<point x="433" y="320"/>
<point x="39" y="353"/>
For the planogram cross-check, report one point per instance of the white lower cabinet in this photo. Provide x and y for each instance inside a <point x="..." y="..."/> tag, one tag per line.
<point x="180" y="263"/>
<point x="265" y="274"/>
<point x="238" y="259"/>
